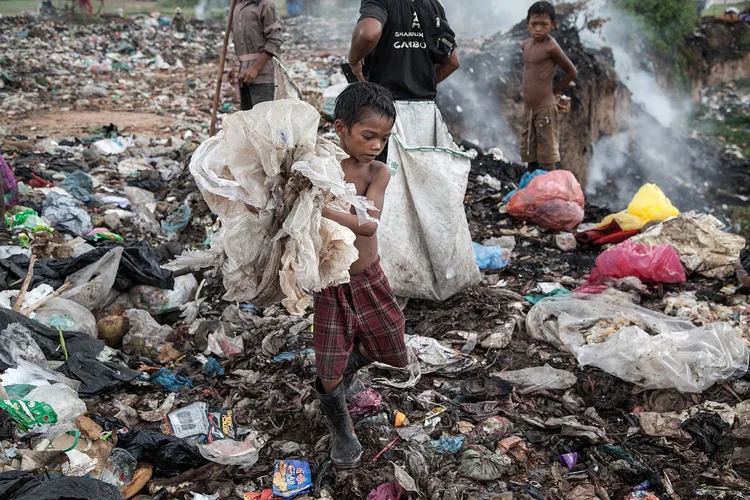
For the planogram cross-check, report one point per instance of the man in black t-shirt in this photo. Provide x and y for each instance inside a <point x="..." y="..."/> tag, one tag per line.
<point x="389" y="40"/>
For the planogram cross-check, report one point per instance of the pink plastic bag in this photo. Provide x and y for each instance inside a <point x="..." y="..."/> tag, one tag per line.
<point x="553" y="201"/>
<point x="650" y="264"/>
<point x="10" y="186"/>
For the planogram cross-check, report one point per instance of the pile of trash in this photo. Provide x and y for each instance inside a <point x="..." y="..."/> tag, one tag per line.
<point x="592" y="361"/>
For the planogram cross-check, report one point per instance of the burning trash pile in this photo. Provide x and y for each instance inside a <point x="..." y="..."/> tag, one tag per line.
<point x="150" y="350"/>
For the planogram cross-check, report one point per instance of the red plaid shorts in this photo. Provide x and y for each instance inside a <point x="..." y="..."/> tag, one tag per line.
<point x="365" y="309"/>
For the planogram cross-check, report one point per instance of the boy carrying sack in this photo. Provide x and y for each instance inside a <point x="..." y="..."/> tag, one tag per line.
<point x="540" y="141"/>
<point x="358" y="322"/>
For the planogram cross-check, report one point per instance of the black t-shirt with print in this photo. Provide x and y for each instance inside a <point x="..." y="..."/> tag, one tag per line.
<point x="401" y="61"/>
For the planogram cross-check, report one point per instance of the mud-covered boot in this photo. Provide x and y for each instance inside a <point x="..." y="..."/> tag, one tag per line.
<point x="352" y="384"/>
<point x="346" y="452"/>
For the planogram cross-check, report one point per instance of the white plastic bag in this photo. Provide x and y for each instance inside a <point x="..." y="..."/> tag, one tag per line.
<point x="66" y="404"/>
<point x="644" y="347"/>
<point x="67" y="315"/>
<point x="424" y="239"/>
<point x="92" y="284"/>
<point x="538" y="378"/>
<point x="158" y="301"/>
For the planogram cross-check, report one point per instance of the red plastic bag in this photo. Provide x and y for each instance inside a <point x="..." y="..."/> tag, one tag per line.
<point x="553" y="201"/>
<point x="650" y="264"/>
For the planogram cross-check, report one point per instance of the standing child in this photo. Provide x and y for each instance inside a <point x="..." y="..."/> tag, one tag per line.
<point x="540" y="141"/>
<point x="358" y="322"/>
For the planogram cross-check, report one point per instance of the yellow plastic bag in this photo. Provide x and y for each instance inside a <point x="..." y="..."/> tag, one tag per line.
<point x="649" y="203"/>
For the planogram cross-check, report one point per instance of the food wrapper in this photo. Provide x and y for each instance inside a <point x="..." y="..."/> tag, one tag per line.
<point x="291" y="478"/>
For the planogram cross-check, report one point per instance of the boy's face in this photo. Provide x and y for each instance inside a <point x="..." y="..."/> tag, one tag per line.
<point x="367" y="138"/>
<point x="540" y="26"/>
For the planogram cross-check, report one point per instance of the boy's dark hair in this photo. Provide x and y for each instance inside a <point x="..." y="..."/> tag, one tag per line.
<point x="541" y="9"/>
<point x="360" y="99"/>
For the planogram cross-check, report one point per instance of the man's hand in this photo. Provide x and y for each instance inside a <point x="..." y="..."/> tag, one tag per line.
<point x="249" y="75"/>
<point x="231" y="74"/>
<point x="358" y="71"/>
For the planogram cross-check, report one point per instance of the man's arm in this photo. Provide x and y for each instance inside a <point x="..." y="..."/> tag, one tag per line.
<point x="448" y="67"/>
<point x="376" y="194"/>
<point x="566" y="64"/>
<point x="272" y="45"/>
<point x="365" y="38"/>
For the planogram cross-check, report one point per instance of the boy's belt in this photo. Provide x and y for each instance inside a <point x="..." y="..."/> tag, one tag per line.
<point x="237" y="67"/>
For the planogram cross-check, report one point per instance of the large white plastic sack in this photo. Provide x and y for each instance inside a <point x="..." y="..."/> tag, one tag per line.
<point x="672" y="354"/>
<point x="425" y="244"/>
<point x="271" y="158"/>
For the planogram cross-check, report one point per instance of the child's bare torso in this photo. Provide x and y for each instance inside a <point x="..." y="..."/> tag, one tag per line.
<point x="361" y="175"/>
<point x="538" y="72"/>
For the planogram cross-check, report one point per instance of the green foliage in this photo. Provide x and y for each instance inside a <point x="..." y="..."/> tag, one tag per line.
<point x="667" y="22"/>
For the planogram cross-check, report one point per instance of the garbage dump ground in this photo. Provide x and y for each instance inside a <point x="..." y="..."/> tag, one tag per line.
<point x="602" y="356"/>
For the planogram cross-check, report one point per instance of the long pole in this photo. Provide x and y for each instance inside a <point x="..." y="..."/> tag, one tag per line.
<point x="217" y="94"/>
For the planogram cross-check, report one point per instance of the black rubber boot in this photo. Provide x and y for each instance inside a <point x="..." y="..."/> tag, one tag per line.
<point x="346" y="452"/>
<point x="352" y="384"/>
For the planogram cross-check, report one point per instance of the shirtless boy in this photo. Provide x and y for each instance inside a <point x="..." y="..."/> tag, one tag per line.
<point x="358" y="322"/>
<point x="540" y="141"/>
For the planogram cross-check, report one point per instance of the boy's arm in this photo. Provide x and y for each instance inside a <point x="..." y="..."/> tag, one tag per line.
<point x="376" y="194"/>
<point x="272" y="45"/>
<point x="566" y="64"/>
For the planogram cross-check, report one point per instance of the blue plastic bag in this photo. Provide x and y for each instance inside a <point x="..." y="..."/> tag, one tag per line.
<point x="448" y="444"/>
<point x="490" y="257"/>
<point x="169" y="381"/>
<point x="291" y="478"/>
<point x="525" y="180"/>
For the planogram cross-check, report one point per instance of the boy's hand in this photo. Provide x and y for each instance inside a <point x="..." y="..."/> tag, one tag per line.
<point x="249" y="75"/>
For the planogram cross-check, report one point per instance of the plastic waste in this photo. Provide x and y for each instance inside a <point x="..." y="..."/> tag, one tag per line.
<point x="650" y="264"/>
<point x="481" y="464"/>
<point x="169" y="455"/>
<point x="92" y="283"/>
<point x="538" y="378"/>
<point x="54" y="409"/>
<point x="649" y="204"/>
<point x="145" y="336"/>
<point x="66" y="315"/>
<point x="169" y="381"/>
<point x="365" y="403"/>
<point x="97" y="377"/>
<point x="66" y="214"/>
<point x="8" y="297"/>
<point x="553" y="201"/>
<point x="110" y="147"/>
<point x="17" y="485"/>
<point x="159" y="301"/>
<point x="640" y="346"/>
<point x="700" y="241"/>
<point x="291" y="478"/>
<point x="525" y="180"/>
<point x="120" y="468"/>
<point x="177" y="220"/>
<point x="447" y="444"/>
<point x="230" y="452"/>
<point x="387" y="491"/>
<point x="490" y="257"/>
<point x="16" y="344"/>
<point x="10" y="186"/>
<point x="79" y="184"/>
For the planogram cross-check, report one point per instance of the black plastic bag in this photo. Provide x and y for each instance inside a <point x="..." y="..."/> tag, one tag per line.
<point x="707" y="429"/>
<point x="139" y="265"/>
<point x="96" y="377"/>
<point x="169" y="455"/>
<point x="17" y="485"/>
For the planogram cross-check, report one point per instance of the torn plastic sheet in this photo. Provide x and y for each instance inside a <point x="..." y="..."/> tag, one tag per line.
<point x="271" y="158"/>
<point x="640" y="346"/>
<point x="426" y="356"/>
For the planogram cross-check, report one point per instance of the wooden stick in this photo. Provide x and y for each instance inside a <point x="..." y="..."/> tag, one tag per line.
<point x="217" y="94"/>
<point x="36" y="305"/>
<point x="25" y="286"/>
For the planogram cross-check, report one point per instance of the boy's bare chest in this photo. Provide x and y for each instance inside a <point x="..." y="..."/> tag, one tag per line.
<point x="537" y="54"/>
<point x="359" y="179"/>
